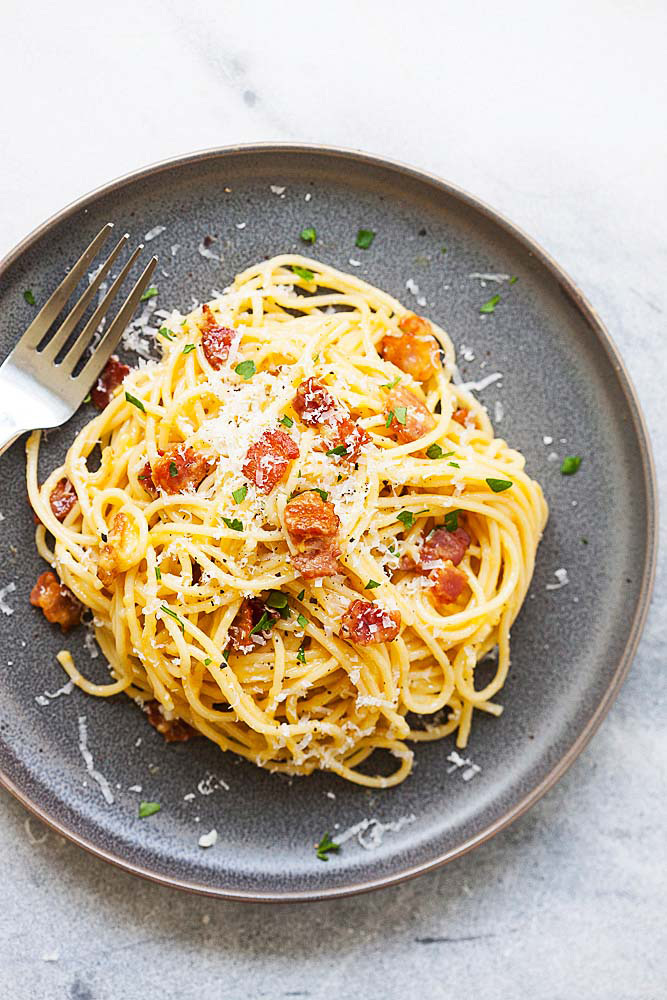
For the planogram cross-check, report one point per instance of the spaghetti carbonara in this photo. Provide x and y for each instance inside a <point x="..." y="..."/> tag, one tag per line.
<point x="299" y="537"/>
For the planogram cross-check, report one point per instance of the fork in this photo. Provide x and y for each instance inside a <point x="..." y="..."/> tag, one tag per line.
<point x="38" y="386"/>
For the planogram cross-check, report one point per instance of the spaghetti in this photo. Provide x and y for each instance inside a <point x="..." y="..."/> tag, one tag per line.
<point x="302" y="537"/>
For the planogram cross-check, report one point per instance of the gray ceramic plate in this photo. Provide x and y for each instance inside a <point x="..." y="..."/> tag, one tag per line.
<point x="571" y="647"/>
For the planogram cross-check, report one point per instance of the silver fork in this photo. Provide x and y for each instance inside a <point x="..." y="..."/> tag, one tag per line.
<point x="37" y="387"/>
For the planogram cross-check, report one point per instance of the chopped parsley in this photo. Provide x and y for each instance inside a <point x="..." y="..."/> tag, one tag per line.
<point x="308" y="235"/>
<point x="240" y="494"/>
<point x="513" y="279"/>
<point x="303" y="272"/>
<point x="286" y="421"/>
<point x="452" y="520"/>
<point x="164" y="332"/>
<point x="300" y="595"/>
<point x="499" y="485"/>
<point x="391" y="385"/>
<point x="188" y="348"/>
<point x="570" y="465"/>
<point x="301" y="653"/>
<point x="443" y="249"/>
<point x="364" y="239"/>
<point x="208" y="661"/>
<point x="401" y="414"/>
<point x="29" y="297"/>
<point x="372" y="584"/>
<point x="135" y="402"/>
<point x="172" y="614"/>
<point x="407" y="518"/>
<point x="489" y="306"/>
<point x="225" y="655"/>
<point x="264" y="624"/>
<point x="246" y="369"/>
<point x="390" y="417"/>
<point x="88" y="398"/>
<point x="158" y="573"/>
<point x="173" y="470"/>
<point x="148" y="809"/>
<point x="150" y="293"/>
<point x="276" y="599"/>
<point x="302" y="620"/>
<point x="340" y="449"/>
<point x="434" y="451"/>
<point x="233" y="523"/>
<point x="325" y="846"/>
<point x="455" y="464"/>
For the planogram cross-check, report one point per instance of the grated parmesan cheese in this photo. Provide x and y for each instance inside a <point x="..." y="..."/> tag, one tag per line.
<point x="152" y="233"/>
<point x="562" y="578"/>
<point x="90" y="764"/>
<point x="208" y="839"/>
<point x="7" y="589"/>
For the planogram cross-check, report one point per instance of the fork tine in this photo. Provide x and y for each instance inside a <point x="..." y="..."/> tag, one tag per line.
<point x="113" y="333"/>
<point x="83" y="340"/>
<point x="63" y="334"/>
<point x="57" y="300"/>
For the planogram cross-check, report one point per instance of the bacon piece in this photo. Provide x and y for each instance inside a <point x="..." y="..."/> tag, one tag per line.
<point x="268" y="459"/>
<point x="365" y="622"/>
<point x="418" y="419"/>
<point x="352" y="436"/>
<point x="116" y="554"/>
<point x="443" y="545"/>
<point x="62" y="499"/>
<point x="312" y="520"/>
<point x="461" y="416"/>
<point x="56" y="601"/>
<point x="314" y="404"/>
<point x="112" y="375"/>
<point x="173" y="730"/>
<point x="319" y="558"/>
<point x="146" y="479"/>
<point x="247" y="617"/>
<point x="447" y="583"/>
<point x="415" y="350"/>
<point x="215" y="340"/>
<point x="309" y="516"/>
<point x="180" y="469"/>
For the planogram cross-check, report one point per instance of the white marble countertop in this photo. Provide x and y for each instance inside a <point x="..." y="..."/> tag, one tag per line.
<point x="555" y="115"/>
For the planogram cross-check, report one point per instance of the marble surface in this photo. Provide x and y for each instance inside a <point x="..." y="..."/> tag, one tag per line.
<point x="555" y="115"/>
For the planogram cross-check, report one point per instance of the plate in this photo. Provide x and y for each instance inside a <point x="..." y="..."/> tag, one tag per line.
<point x="561" y="379"/>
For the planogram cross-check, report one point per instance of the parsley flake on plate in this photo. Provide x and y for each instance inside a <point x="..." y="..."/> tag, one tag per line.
<point x="372" y="584"/>
<point x="340" y="449"/>
<point x="308" y="235"/>
<point x="188" y="348"/>
<point x="158" y="573"/>
<point x="364" y="239"/>
<point x="489" y="306"/>
<point x="302" y="620"/>
<point x="173" y="470"/>
<point x="148" y="809"/>
<point x="29" y="297"/>
<point x="164" y="332"/>
<point x="570" y="465"/>
<point x="240" y="494"/>
<point x="301" y="653"/>
<point x="325" y="847"/>
<point x="264" y="624"/>
<point x="150" y="293"/>
<point x="286" y="421"/>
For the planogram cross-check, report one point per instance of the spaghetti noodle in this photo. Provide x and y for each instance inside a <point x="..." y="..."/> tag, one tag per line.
<point x="302" y="536"/>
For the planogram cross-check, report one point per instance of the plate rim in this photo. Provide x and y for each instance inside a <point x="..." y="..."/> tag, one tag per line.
<point x="640" y="430"/>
